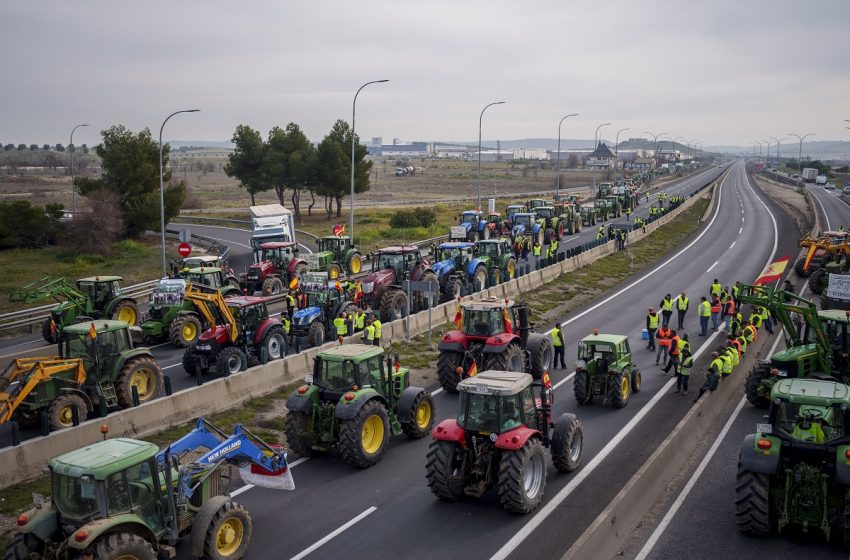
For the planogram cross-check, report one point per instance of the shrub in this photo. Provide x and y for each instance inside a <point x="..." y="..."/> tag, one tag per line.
<point x="418" y="217"/>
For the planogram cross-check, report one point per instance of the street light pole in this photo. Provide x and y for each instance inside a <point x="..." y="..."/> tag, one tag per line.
<point x="353" y="113"/>
<point x="617" y="152"/>
<point x="162" y="187"/>
<point x="73" y="190"/>
<point x="558" y="166"/>
<point x="800" y="155"/>
<point x="655" y="142"/>
<point x="778" y="142"/>
<point x="480" y="120"/>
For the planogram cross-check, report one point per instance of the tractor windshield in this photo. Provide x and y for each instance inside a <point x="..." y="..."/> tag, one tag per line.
<point x="489" y="413"/>
<point x="273" y="255"/>
<point x="522" y="220"/>
<point x="489" y="250"/>
<point x="545" y="213"/>
<point x="483" y="323"/>
<point x="109" y="345"/>
<point x="198" y="278"/>
<point x="316" y="299"/>
<point x="387" y="260"/>
<point x="809" y="423"/>
<point x="494" y="218"/>
<point x="337" y="376"/>
<point x="76" y="497"/>
<point x="468" y="219"/>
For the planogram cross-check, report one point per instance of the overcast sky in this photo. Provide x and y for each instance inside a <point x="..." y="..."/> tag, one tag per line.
<point x="721" y="71"/>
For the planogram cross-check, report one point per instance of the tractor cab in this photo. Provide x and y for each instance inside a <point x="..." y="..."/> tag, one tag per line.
<point x="207" y="261"/>
<point x="470" y="217"/>
<point x="810" y="410"/>
<point x="211" y="278"/>
<point x="250" y="313"/>
<point x="277" y="252"/>
<point x="113" y="339"/>
<point x="337" y="244"/>
<point x="545" y="212"/>
<point x="533" y="204"/>
<point x="400" y="259"/>
<point x="486" y="317"/>
<point x="524" y="219"/>
<point x="100" y="289"/>
<point x="514" y="209"/>
<point x="604" y="352"/>
<point x="494" y="218"/>
<point x="351" y="367"/>
<point x="494" y="402"/>
<point x="459" y="252"/>
<point x="836" y="323"/>
<point x="492" y="248"/>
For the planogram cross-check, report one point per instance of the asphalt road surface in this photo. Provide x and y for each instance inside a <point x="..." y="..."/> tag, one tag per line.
<point x="832" y="209"/>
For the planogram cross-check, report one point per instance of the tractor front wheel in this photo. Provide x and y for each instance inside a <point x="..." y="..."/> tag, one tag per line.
<point x="297" y="430"/>
<point x="495" y="277"/>
<point x="421" y="417"/>
<point x="542" y="354"/>
<point x="752" y="502"/>
<point x="143" y="373"/>
<point x="619" y="389"/>
<point x="334" y="271"/>
<point x="394" y="305"/>
<point x="127" y="312"/>
<point x="452" y="289"/>
<point x="816" y="281"/>
<point x="756" y="396"/>
<point x="274" y="343"/>
<point x="447" y="364"/>
<point x="114" y="546"/>
<point x="230" y="360"/>
<point x="798" y="266"/>
<point x="60" y="413"/>
<point x="581" y="387"/>
<point x="316" y="334"/>
<point x="23" y="547"/>
<point x="184" y="330"/>
<point x="50" y="333"/>
<point x="229" y="533"/>
<point x="441" y="470"/>
<point x="567" y="443"/>
<point x="522" y="477"/>
<point x="480" y="277"/>
<point x="189" y="361"/>
<point x="635" y="378"/>
<point x="363" y="439"/>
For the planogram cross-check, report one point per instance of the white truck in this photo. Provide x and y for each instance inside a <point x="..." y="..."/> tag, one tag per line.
<point x="821" y="180"/>
<point x="271" y="222"/>
<point x="809" y="174"/>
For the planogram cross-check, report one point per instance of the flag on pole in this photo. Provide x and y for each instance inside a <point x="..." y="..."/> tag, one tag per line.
<point x="92" y="332"/>
<point x="52" y="327"/>
<point x="509" y="329"/>
<point x="773" y="272"/>
<point x="338" y="229"/>
<point x="458" y="320"/>
<point x="473" y="370"/>
<point x="293" y="283"/>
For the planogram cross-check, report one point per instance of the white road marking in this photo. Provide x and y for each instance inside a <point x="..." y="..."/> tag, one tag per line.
<point x="733" y="244"/>
<point x="712" y="266"/>
<point x="229" y="242"/>
<point x="740" y="230"/>
<point x="307" y="551"/>
<point x="171" y="366"/>
<point x="562" y="381"/>
<point x="823" y="211"/>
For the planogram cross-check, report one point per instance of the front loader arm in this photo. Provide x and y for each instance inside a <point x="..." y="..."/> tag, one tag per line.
<point x="204" y="299"/>
<point x="29" y="372"/>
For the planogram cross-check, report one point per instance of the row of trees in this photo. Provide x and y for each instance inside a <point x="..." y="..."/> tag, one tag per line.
<point x="23" y="225"/>
<point x="46" y="147"/>
<point x="288" y="163"/>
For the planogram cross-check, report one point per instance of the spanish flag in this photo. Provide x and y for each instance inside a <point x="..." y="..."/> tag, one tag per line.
<point x="473" y="370"/>
<point x="293" y="283"/>
<point x="509" y="329"/>
<point x="773" y="272"/>
<point x="338" y="229"/>
<point x="547" y="381"/>
<point x="458" y="320"/>
<point x="338" y="286"/>
<point x="92" y="332"/>
<point x="52" y="326"/>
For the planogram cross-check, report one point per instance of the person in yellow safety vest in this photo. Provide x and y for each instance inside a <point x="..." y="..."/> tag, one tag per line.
<point x="749" y="333"/>
<point x="359" y="320"/>
<point x="666" y="306"/>
<point x="743" y="342"/>
<point x="600" y="232"/>
<point x="628" y="213"/>
<point x="733" y="354"/>
<point x="727" y="363"/>
<point x="712" y="378"/>
<point x="651" y="327"/>
<point x="681" y="309"/>
<point x="736" y="290"/>
<point x="377" y="323"/>
<point x="284" y="319"/>
<point x="553" y="249"/>
<point x="558" y="343"/>
<point x="765" y="317"/>
<point x="341" y="326"/>
<point x="684" y="344"/>
<point x="703" y="312"/>
<point x="737" y="344"/>
<point x="755" y="317"/>
<point x="369" y="333"/>
<point x="716" y="288"/>
<point x="683" y="374"/>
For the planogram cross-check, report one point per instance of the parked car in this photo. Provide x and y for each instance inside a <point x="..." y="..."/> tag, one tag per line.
<point x="829" y="186"/>
<point x="845" y="191"/>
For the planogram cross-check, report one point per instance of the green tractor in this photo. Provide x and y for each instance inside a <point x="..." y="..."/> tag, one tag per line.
<point x="124" y="499"/>
<point x="496" y="256"/>
<point x="602" y="209"/>
<point x="98" y="365"/>
<point x="794" y="472"/>
<point x="337" y="256"/>
<point x="550" y="219"/>
<point x="355" y="398"/>
<point x="589" y="215"/>
<point x="605" y="369"/>
<point x="615" y="206"/>
<point x="92" y="298"/>
<point x="570" y="215"/>
<point x="535" y="203"/>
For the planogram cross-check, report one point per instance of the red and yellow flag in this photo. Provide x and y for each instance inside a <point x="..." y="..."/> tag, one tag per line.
<point x="338" y="286"/>
<point x="509" y="328"/>
<point x="92" y="332"/>
<point x="547" y="381"/>
<point x="52" y="326"/>
<point x="458" y="320"/>
<point x="293" y="283"/>
<point x="773" y="272"/>
<point x="338" y="229"/>
<point x="473" y="370"/>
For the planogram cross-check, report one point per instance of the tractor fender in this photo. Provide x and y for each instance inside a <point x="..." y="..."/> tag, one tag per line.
<point x="293" y="263"/>
<point x="842" y="465"/>
<point x="346" y="410"/>
<point x="535" y="228"/>
<point x="115" y="303"/>
<point x="421" y="269"/>
<point x="303" y="402"/>
<point x="202" y="522"/>
<point x="754" y="459"/>
<point x="496" y="344"/>
<point x="405" y="404"/>
<point x="482" y="224"/>
<point x="43" y="522"/>
<point x="122" y="523"/>
<point x="342" y="306"/>
<point x="473" y="264"/>
<point x="449" y="430"/>
<point x="129" y="355"/>
<point x="516" y="438"/>
<point x="264" y="328"/>
<point x="451" y="346"/>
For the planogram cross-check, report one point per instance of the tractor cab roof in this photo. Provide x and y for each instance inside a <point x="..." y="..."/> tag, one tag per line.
<point x="354" y="352"/>
<point x="100" y="326"/>
<point x="201" y="260"/>
<point x="399" y="249"/>
<point x="103" y="458"/>
<point x="470" y="212"/>
<point x="277" y="245"/>
<point x="245" y="301"/>
<point x="497" y="214"/>
<point x="336" y="237"/>
<point x="811" y="392"/>
<point x="204" y="270"/>
<point x="487" y="304"/>
<point x="516" y="206"/>
<point x="529" y="214"/>
<point x="457" y="245"/>
<point x="612" y="339"/>
<point x="492" y="382"/>
<point x="101" y="279"/>
<point x="837" y="315"/>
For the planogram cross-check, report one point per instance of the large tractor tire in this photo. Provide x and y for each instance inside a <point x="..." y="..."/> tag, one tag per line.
<point x="355" y="263"/>
<point x="334" y="271"/>
<point x="316" y="334"/>
<point x="127" y="312"/>
<point x="143" y="373"/>
<point x="619" y="390"/>
<point x="480" y="277"/>
<point x="363" y="439"/>
<point x="60" y="413"/>
<point x="472" y="236"/>
<point x="816" y="281"/>
<point x="422" y="416"/>
<point x="229" y="533"/>
<point x="230" y="360"/>
<point x="23" y="547"/>
<point x="273" y="344"/>
<point x="542" y="354"/>
<point x="559" y="233"/>
<point x="114" y="546"/>
<point x="190" y="364"/>
<point x="394" y="306"/>
<point x="522" y="477"/>
<point x="452" y="289"/>
<point x="567" y="443"/>
<point x="447" y="364"/>
<point x="752" y="503"/>
<point x="635" y="379"/>
<point x="581" y="387"/>
<point x="756" y="375"/>
<point x="798" y="266"/>
<point x="548" y="235"/>
<point x="441" y="466"/>
<point x="485" y="233"/>
<point x="49" y="334"/>
<point x="511" y="358"/>
<point x="495" y="277"/>
<point x="272" y="286"/>
<point x="298" y="425"/>
<point x="510" y="270"/>
<point x="184" y="330"/>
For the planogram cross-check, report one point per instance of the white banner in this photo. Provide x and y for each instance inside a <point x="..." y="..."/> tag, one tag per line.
<point x="839" y="286"/>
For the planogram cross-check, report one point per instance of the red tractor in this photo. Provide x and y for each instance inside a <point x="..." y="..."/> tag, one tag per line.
<point x="498" y="440"/>
<point x="383" y="289"/>
<point x="497" y="225"/>
<point x="275" y="264"/>
<point x="494" y="334"/>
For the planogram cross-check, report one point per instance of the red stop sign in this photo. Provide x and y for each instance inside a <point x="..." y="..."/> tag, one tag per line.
<point x="184" y="249"/>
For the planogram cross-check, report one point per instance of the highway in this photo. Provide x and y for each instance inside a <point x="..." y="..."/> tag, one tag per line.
<point x="831" y="207"/>
<point x="391" y="501"/>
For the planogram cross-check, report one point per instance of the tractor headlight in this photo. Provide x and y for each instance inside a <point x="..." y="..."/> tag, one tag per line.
<point x="367" y="287"/>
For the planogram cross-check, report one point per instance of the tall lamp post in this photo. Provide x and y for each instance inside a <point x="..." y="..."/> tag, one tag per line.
<point x="162" y="187"/>
<point x="617" y="152"/>
<point x="558" y="166"/>
<point x="800" y="155"/>
<point x="655" y="142"/>
<point x="778" y="142"/>
<point x="690" y="151"/>
<point x="480" y="120"/>
<point x="73" y="190"/>
<point x="353" y="141"/>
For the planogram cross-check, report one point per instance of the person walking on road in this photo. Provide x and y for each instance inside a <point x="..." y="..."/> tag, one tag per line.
<point x="715" y="289"/>
<point x="673" y="362"/>
<point x="600" y="232"/>
<point x="651" y="327"/>
<point x="537" y="251"/>
<point x="664" y="336"/>
<point x="558" y="343"/>
<point x="704" y="312"/>
<point x="683" y="374"/>
<point x="682" y="308"/>
<point x="666" y="306"/>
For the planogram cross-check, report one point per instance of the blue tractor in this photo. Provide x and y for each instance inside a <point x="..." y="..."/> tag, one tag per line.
<point x="526" y="224"/>
<point x="451" y="261"/>
<point x="472" y="227"/>
<point x="314" y="321"/>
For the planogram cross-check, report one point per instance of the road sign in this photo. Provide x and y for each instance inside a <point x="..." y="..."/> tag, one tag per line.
<point x="185" y="235"/>
<point x="184" y="249"/>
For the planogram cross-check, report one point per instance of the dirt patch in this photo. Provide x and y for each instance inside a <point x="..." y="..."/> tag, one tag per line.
<point x="791" y="199"/>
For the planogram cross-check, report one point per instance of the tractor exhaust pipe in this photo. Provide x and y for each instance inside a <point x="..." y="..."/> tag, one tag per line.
<point x="522" y="312"/>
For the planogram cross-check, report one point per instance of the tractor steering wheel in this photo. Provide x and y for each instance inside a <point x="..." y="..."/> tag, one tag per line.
<point x="812" y="414"/>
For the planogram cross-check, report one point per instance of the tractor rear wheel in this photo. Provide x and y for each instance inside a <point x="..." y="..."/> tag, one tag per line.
<point x="751" y="386"/>
<point x="816" y="281"/>
<point x="560" y="231"/>
<point x="548" y="236"/>
<point x="126" y="311"/>
<point x="334" y="271"/>
<point x="113" y="546"/>
<point x="230" y="360"/>
<point x="635" y="379"/>
<point x="298" y="426"/>
<point x="619" y="389"/>
<point x="421" y="417"/>
<point x="363" y="439"/>
<point x="60" y="413"/>
<point x="511" y="358"/>
<point x="752" y="502"/>
<point x="581" y="387"/>
<point x="229" y="533"/>
<point x="394" y="305"/>
<point x="522" y="477"/>
<point x="542" y="354"/>
<point x="428" y="276"/>
<point x="272" y="286"/>
<point x="49" y="334"/>
<point x="355" y="263"/>
<point x="316" y="334"/>
<point x="184" y="330"/>
<point x="441" y="470"/>
<point x="274" y="344"/>
<point x="143" y="373"/>
<point x="480" y="277"/>
<point x="447" y="364"/>
<point x="567" y="443"/>
<point x="23" y="547"/>
<point x="452" y="289"/>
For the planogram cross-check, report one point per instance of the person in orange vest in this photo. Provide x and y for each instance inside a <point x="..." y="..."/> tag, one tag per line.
<point x="673" y="362"/>
<point x="664" y="336"/>
<point x="715" y="311"/>
<point x="728" y="311"/>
